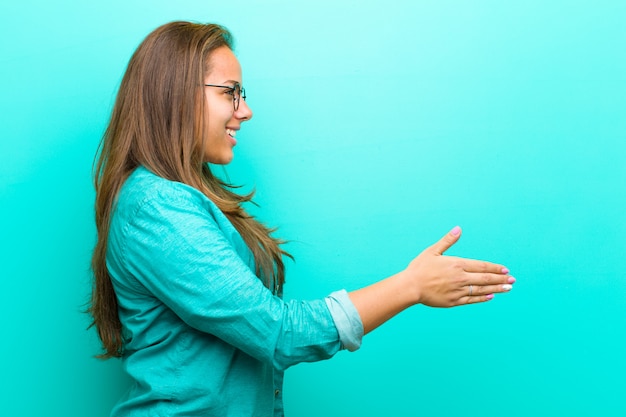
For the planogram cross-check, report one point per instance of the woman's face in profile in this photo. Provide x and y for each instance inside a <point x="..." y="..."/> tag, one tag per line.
<point x="223" y="120"/>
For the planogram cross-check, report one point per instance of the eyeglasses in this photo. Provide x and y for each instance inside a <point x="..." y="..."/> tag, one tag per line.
<point x="237" y="91"/>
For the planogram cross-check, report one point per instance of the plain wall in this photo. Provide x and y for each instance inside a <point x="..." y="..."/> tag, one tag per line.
<point x="378" y="126"/>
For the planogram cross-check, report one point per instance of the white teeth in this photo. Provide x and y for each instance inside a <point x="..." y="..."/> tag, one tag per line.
<point x="231" y="132"/>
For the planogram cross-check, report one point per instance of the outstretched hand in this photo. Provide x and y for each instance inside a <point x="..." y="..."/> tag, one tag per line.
<point x="445" y="281"/>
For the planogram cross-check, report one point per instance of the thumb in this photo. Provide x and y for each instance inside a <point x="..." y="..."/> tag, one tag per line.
<point x="447" y="241"/>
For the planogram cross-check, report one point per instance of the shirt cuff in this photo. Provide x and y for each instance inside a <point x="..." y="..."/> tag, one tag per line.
<point x="346" y="318"/>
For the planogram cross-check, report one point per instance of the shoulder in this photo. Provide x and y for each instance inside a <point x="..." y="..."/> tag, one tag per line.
<point x="146" y="201"/>
<point x="150" y="210"/>
<point x="143" y="190"/>
<point x="143" y="186"/>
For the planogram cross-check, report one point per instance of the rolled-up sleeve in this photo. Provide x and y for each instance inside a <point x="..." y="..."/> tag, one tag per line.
<point x="346" y="318"/>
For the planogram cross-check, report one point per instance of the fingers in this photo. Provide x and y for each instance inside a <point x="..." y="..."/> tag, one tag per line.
<point x="477" y="293"/>
<point x="447" y="241"/>
<point x="489" y="289"/>
<point x="488" y="278"/>
<point x="471" y="265"/>
<point x="475" y="299"/>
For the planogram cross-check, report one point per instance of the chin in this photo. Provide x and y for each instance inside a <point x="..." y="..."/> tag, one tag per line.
<point x="219" y="159"/>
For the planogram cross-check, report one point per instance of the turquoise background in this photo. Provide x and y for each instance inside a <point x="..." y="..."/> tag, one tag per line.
<point x="378" y="126"/>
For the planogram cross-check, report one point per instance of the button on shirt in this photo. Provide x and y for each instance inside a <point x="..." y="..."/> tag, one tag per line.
<point x="202" y="335"/>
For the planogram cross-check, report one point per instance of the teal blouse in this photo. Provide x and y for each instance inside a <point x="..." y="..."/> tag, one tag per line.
<point x="202" y="335"/>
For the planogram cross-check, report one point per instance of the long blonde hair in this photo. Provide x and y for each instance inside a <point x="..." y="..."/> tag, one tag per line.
<point x="158" y="121"/>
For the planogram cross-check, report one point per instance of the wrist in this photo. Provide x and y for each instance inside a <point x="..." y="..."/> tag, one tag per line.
<point x="409" y="290"/>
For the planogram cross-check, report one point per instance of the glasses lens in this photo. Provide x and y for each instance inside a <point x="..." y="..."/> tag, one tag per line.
<point x="236" y="96"/>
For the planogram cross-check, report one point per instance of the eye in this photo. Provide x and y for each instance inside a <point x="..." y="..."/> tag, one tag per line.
<point x="230" y="91"/>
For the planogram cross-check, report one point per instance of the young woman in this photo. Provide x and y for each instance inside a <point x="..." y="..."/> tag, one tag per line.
<point x="187" y="284"/>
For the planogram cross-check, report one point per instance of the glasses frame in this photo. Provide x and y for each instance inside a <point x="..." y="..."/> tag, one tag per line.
<point x="233" y="90"/>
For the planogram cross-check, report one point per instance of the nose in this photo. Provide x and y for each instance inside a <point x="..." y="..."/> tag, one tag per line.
<point x="244" y="112"/>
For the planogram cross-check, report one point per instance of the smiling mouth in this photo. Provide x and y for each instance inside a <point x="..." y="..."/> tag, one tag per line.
<point x="230" y="132"/>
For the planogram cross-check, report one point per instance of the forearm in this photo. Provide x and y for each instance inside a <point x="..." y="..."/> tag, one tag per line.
<point x="381" y="301"/>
